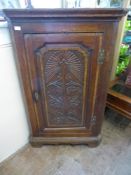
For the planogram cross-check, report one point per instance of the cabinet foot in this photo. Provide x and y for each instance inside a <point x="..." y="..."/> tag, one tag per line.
<point x="94" y="144"/>
<point x="36" y="145"/>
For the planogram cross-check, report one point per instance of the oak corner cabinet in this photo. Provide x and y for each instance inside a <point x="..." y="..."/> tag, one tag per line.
<point x="64" y="57"/>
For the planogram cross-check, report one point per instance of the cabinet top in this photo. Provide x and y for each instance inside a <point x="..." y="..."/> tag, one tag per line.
<point x="87" y="13"/>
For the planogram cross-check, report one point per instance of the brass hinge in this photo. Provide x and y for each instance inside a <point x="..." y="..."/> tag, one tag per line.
<point x="101" y="56"/>
<point x="93" y="120"/>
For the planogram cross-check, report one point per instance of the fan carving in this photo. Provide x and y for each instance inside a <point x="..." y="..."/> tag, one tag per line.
<point x="63" y="71"/>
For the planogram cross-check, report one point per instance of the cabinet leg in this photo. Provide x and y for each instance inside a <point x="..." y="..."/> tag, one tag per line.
<point x="36" y="145"/>
<point x="94" y="144"/>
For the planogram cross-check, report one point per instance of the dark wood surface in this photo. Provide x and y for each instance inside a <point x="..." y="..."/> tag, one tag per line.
<point x="110" y="13"/>
<point x="64" y="57"/>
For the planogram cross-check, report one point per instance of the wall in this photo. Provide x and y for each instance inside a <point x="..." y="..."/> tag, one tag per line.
<point x="14" y="131"/>
<point x="42" y="3"/>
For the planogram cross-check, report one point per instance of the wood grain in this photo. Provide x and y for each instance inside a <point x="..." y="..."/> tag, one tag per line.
<point x="64" y="82"/>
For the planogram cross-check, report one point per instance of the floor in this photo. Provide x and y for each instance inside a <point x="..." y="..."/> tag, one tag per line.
<point x="112" y="157"/>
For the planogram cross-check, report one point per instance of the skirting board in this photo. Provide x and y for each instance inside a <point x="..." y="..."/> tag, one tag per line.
<point x="12" y="155"/>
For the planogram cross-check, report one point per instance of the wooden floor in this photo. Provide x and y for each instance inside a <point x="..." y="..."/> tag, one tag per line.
<point x="112" y="157"/>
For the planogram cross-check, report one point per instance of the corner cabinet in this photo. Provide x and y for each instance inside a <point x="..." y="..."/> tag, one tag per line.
<point x="64" y="57"/>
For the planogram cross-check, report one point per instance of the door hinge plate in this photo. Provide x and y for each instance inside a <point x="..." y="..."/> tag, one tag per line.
<point x="93" y="120"/>
<point x="101" y="56"/>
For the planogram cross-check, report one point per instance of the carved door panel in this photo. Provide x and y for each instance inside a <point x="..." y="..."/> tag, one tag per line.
<point x="64" y="79"/>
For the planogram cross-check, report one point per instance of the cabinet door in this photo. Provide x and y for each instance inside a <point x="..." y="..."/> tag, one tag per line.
<point x="63" y="72"/>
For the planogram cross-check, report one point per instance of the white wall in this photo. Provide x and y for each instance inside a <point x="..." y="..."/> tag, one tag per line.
<point x="42" y="3"/>
<point x="14" y="131"/>
<point x="46" y="3"/>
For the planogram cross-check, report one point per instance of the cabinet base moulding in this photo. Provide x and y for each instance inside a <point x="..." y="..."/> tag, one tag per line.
<point x="90" y="141"/>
